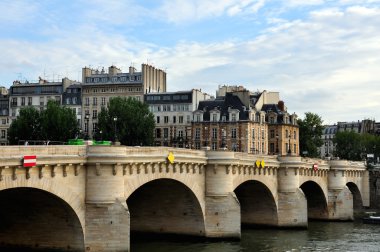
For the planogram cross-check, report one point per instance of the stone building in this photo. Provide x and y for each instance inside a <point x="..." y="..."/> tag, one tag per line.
<point x="98" y="86"/>
<point x="243" y="121"/>
<point x="72" y="98"/>
<point x="173" y="113"/>
<point x="328" y="148"/>
<point x="4" y="115"/>
<point x="35" y="94"/>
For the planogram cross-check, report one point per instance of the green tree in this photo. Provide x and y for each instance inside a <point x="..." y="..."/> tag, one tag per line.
<point x="55" y="123"/>
<point x="134" y="123"/>
<point x="354" y="146"/>
<point x="310" y="131"/>
<point x="58" y="123"/>
<point x="26" y="126"/>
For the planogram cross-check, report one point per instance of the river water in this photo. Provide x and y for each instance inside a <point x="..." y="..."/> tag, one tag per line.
<point x="320" y="236"/>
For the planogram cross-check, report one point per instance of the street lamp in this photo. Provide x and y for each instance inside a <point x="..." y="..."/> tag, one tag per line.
<point x="114" y="123"/>
<point x="101" y="135"/>
<point x="87" y="117"/>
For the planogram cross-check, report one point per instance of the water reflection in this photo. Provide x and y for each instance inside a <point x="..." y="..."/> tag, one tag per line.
<point x="321" y="236"/>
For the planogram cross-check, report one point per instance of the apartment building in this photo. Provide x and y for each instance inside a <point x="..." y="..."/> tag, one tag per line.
<point x="173" y="113"/>
<point x="98" y="86"/>
<point x="35" y="94"/>
<point x="4" y="116"/>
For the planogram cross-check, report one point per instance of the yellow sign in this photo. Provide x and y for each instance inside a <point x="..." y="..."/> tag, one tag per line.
<point x="171" y="157"/>
<point x="262" y="164"/>
<point x="258" y="163"/>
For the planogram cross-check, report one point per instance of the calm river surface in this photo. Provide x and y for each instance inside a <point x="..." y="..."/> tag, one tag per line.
<point x="321" y="236"/>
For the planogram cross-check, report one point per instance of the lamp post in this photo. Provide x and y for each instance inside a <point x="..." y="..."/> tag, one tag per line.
<point x="101" y="135"/>
<point x="114" y="123"/>
<point x="87" y="117"/>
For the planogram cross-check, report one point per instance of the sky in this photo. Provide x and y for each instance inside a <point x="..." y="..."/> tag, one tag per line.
<point x="323" y="56"/>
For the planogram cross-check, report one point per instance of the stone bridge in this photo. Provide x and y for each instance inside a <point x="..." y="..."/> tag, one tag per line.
<point x="90" y="198"/>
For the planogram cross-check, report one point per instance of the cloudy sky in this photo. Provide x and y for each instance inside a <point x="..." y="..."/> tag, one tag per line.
<point x="323" y="56"/>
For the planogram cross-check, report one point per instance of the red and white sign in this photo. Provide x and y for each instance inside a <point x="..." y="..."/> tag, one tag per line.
<point x="315" y="167"/>
<point x="30" y="161"/>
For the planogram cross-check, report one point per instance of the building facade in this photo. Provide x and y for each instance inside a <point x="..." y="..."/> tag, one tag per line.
<point x="35" y="94"/>
<point x="248" y="122"/>
<point x="173" y="113"/>
<point x="72" y="98"/>
<point x="4" y="116"/>
<point x="98" y="87"/>
<point x="327" y="150"/>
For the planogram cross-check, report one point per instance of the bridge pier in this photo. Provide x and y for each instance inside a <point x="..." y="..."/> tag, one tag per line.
<point x="107" y="215"/>
<point x="340" y="199"/>
<point x="222" y="216"/>
<point x="292" y="203"/>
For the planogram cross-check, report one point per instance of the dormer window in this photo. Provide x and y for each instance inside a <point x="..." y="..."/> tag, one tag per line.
<point x="214" y="117"/>
<point x="233" y="117"/>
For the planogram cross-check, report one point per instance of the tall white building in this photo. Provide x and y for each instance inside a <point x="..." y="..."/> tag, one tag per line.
<point x="173" y="113"/>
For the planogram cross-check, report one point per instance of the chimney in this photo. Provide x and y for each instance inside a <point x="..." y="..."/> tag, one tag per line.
<point x="281" y="106"/>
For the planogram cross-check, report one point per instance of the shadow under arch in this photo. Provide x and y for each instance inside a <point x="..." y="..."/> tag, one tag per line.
<point x="357" y="197"/>
<point x="165" y="206"/>
<point x="316" y="201"/>
<point x="257" y="204"/>
<point x="36" y="219"/>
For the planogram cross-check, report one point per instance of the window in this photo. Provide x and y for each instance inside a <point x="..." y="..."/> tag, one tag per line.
<point x="233" y="117"/>
<point x="94" y="114"/>
<point x="197" y="133"/>
<point x="180" y="119"/>
<point x="233" y="133"/>
<point x="188" y="118"/>
<point x="295" y="136"/>
<point x="158" y="133"/>
<point x="214" y="133"/>
<point x="253" y="133"/>
<point x="157" y="119"/>
<point x="294" y="148"/>
<point x="103" y="102"/>
<point x="68" y="100"/>
<point x="180" y="133"/>
<point x="2" y="133"/>
<point x="271" y="133"/>
<point x="271" y="148"/>
<point x="174" y="119"/>
<point x="94" y="127"/>
<point x="198" y="118"/>
<point x="166" y="132"/>
<point x="75" y="100"/>
<point x="214" y="117"/>
<point x="29" y="101"/>
<point x="263" y="133"/>
<point x="42" y="101"/>
<point x="22" y="101"/>
<point x="87" y="101"/>
<point x="197" y="145"/>
<point x="166" y="119"/>
<point x="286" y="133"/>
<point x="214" y="146"/>
<point x="94" y="101"/>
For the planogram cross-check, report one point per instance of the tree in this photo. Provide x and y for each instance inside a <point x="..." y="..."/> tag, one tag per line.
<point x="354" y="146"/>
<point x="310" y="131"/>
<point x="134" y="124"/>
<point x="26" y="126"/>
<point x="58" y="123"/>
<point x="55" y="123"/>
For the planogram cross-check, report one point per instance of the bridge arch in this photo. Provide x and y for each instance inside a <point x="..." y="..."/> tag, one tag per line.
<point x="38" y="219"/>
<point x="316" y="200"/>
<point x="166" y="206"/>
<point x="356" y="195"/>
<point x="195" y="182"/>
<point x="53" y="186"/>
<point x="257" y="203"/>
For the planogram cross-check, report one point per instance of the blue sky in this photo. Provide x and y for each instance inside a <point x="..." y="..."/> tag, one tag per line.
<point x="322" y="56"/>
